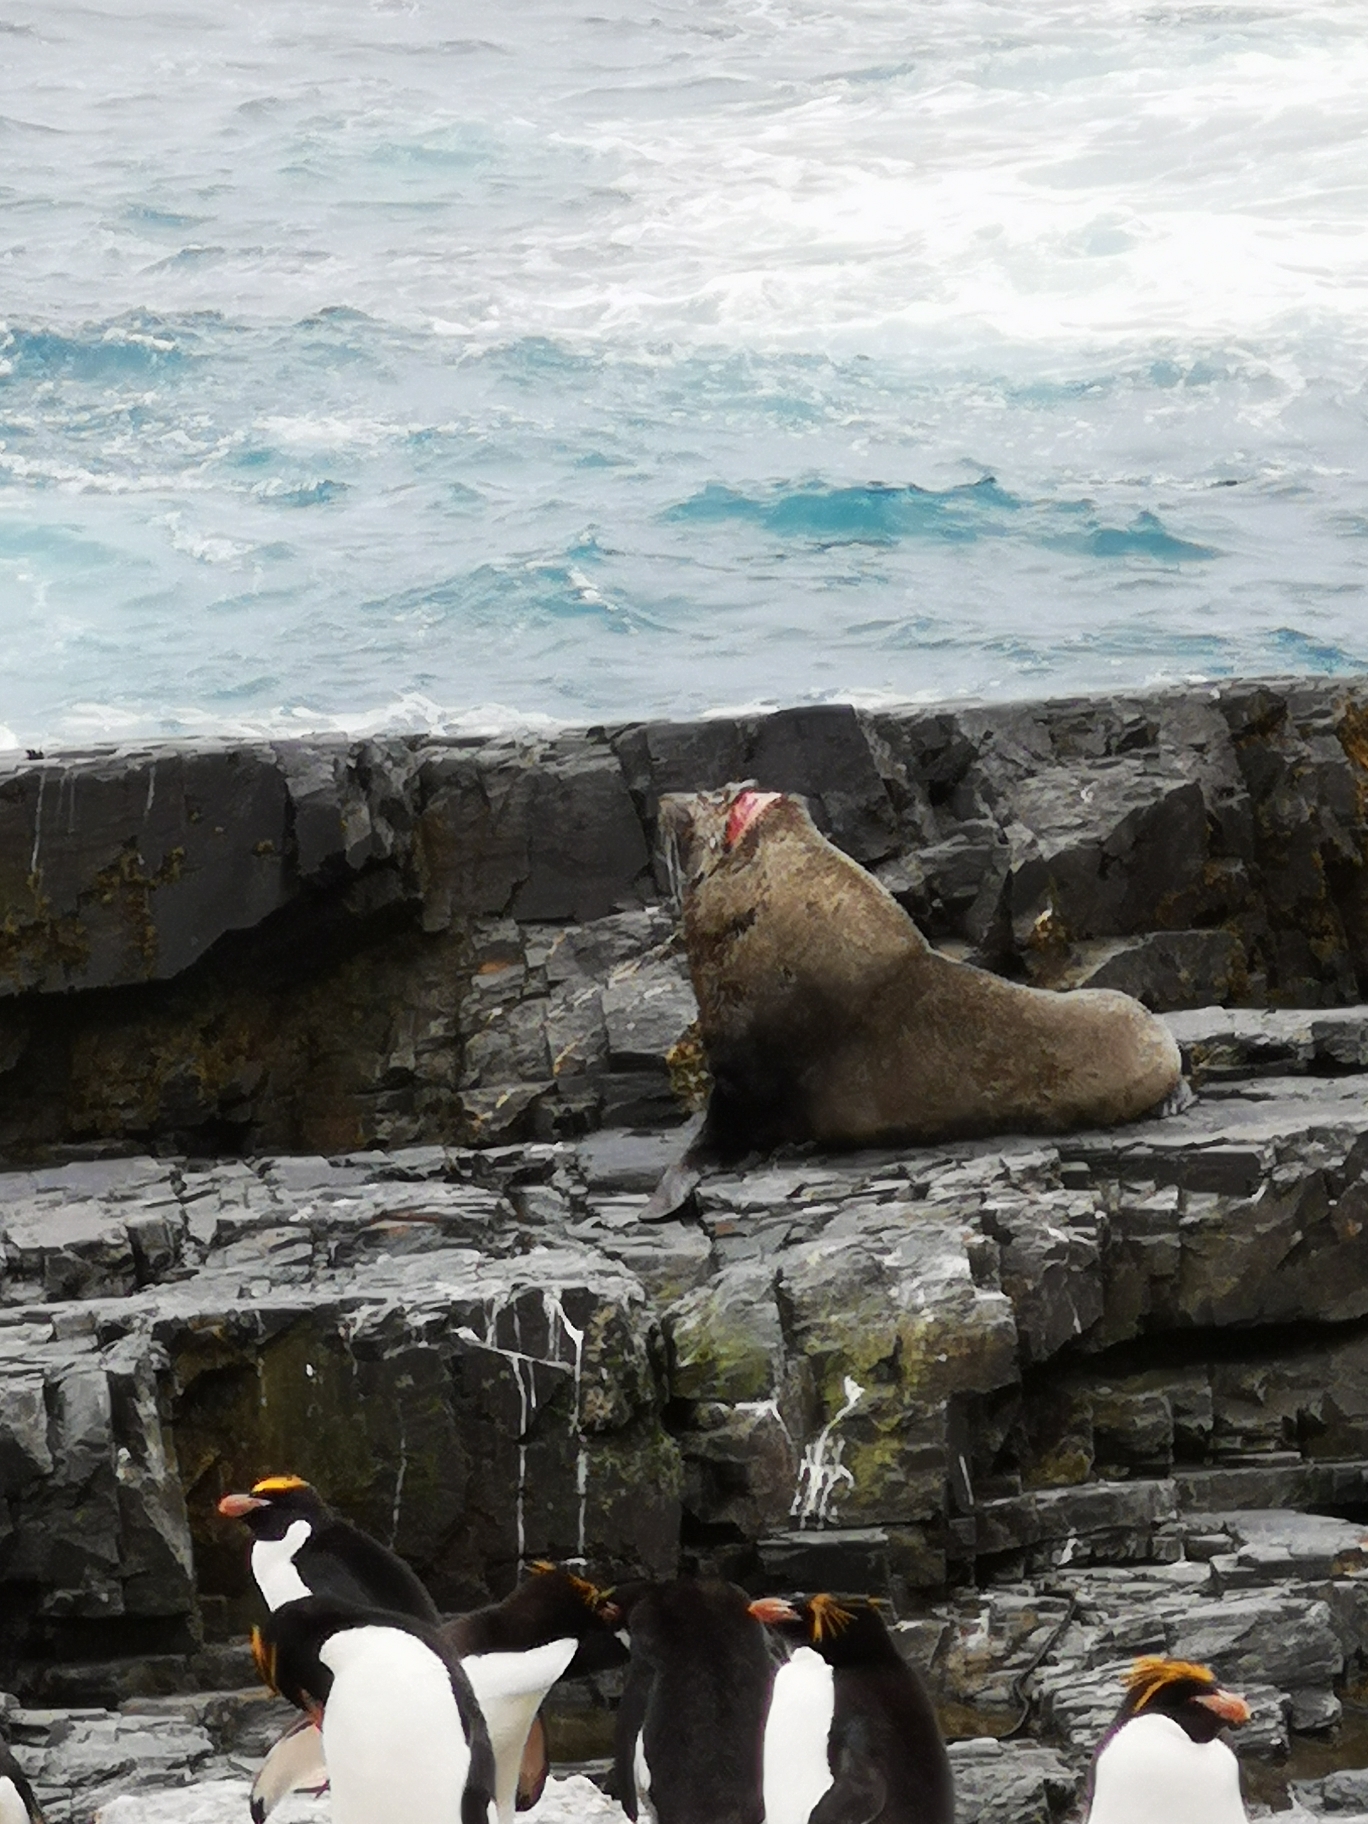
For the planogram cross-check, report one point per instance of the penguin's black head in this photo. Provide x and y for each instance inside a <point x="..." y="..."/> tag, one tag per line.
<point x="551" y="1604"/>
<point x="619" y="1602"/>
<point x="1187" y="1693"/>
<point x="848" y="1631"/>
<point x="273" y="1506"/>
<point x="566" y="1607"/>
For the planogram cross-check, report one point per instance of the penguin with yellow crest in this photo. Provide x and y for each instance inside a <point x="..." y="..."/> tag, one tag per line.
<point x="402" y="1734"/>
<point x="553" y="1625"/>
<point x="692" y="1716"/>
<point x="300" y="1547"/>
<point x="1162" y="1760"/>
<point x="851" y="1736"/>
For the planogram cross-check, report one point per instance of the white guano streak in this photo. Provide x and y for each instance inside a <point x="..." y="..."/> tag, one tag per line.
<point x="822" y="1470"/>
<point x="560" y="1332"/>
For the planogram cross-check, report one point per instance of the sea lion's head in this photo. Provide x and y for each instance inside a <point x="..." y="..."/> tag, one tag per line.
<point x="701" y="832"/>
<point x="779" y="928"/>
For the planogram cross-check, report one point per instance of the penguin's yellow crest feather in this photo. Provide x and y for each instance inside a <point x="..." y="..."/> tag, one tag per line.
<point x="278" y="1485"/>
<point x="828" y="1616"/>
<point x="590" y="1593"/>
<point x="1148" y="1676"/>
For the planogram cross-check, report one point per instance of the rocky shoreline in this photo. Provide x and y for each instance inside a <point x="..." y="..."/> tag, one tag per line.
<point x="336" y="1082"/>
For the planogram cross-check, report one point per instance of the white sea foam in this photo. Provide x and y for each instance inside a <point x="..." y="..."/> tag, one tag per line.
<point x="113" y="722"/>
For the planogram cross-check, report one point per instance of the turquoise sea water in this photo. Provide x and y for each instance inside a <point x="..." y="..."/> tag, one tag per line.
<point x="457" y="364"/>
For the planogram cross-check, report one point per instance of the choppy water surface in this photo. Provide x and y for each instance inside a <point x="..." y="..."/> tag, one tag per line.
<point x="375" y="363"/>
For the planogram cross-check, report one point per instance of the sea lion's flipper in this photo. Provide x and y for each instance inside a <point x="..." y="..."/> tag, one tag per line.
<point x="676" y="1187"/>
<point x="536" y="1764"/>
<point x="678" y="1180"/>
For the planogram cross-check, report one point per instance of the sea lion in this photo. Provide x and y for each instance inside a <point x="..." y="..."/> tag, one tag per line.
<point x="827" y="1016"/>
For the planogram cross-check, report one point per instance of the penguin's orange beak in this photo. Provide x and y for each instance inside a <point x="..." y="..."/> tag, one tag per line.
<point x="1230" y="1707"/>
<point x="773" y="1609"/>
<point x="233" y="1507"/>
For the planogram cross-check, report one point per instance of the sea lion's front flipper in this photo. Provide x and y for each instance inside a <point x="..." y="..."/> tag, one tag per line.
<point x="679" y="1179"/>
<point x="676" y="1187"/>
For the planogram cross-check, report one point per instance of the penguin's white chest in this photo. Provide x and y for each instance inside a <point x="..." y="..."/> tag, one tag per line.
<point x="641" y="1777"/>
<point x="1152" y="1772"/>
<point x="273" y="1566"/>
<point x="12" y="1808"/>
<point x="797" y="1729"/>
<point x="392" y="1737"/>
<point x="510" y="1688"/>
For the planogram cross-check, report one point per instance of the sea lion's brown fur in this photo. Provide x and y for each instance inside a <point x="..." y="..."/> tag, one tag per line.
<point x="827" y="1016"/>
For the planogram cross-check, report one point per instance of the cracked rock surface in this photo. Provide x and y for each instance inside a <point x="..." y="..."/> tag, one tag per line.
<point x="1059" y="1402"/>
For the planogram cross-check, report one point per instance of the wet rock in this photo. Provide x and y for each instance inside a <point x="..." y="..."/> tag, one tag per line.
<point x="303" y="927"/>
<point x="1094" y="1522"/>
<point x="822" y="753"/>
<point x="79" y="1760"/>
<point x="96" y="1510"/>
<point x="1225" y="1044"/>
<point x="884" y="1309"/>
<point x="126" y="865"/>
<point x="740" y="1473"/>
<point x="726" y="1338"/>
<point x="1114" y="846"/>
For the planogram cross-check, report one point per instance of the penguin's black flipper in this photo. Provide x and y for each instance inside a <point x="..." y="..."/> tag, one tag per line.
<point x="536" y="1764"/>
<point x="857" y="1795"/>
<point x="477" y="1800"/>
<point x="631" y="1716"/>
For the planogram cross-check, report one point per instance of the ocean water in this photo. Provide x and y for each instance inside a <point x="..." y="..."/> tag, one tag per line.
<point x="453" y="364"/>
